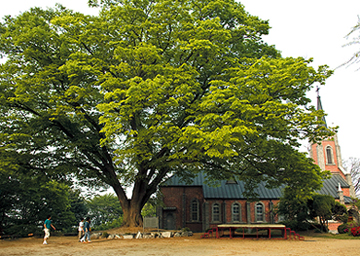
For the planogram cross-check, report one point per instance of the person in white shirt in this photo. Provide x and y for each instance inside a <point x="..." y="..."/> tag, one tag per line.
<point x="81" y="228"/>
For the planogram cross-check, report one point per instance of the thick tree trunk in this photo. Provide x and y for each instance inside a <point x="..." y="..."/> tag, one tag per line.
<point x="132" y="215"/>
<point x="132" y="208"/>
<point x="141" y="193"/>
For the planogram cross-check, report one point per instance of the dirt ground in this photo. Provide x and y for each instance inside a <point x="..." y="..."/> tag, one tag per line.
<point x="184" y="246"/>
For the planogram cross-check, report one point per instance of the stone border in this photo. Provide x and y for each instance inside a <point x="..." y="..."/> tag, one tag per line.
<point x="143" y="235"/>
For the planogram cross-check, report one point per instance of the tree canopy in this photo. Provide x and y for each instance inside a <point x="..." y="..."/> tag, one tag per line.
<point x="147" y="89"/>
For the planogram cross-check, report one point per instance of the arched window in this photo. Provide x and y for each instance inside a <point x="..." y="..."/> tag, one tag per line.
<point x="216" y="212"/>
<point x="329" y="155"/>
<point x="194" y="210"/>
<point x="259" y="212"/>
<point x="236" y="212"/>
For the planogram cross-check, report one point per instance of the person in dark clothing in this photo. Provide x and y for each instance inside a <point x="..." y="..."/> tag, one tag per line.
<point x="86" y="238"/>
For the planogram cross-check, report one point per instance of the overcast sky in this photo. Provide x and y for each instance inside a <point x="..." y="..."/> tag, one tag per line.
<point x="310" y="29"/>
<point x="317" y="29"/>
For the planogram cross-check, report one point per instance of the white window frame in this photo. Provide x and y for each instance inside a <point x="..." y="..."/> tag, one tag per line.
<point x="329" y="155"/>
<point x="216" y="214"/>
<point x="262" y="214"/>
<point x="193" y="211"/>
<point x="233" y="214"/>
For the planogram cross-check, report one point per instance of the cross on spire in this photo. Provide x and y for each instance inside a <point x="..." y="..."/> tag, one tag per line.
<point x="318" y="90"/>
<point x="319" y="105"/>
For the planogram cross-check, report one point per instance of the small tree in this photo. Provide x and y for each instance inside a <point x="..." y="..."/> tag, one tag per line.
<point x="340" y="212"/>
<point x="297" y="211"/>
<point x="322" y="206"/>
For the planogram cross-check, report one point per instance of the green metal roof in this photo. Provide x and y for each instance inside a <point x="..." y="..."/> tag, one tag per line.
<point x="330" y="187"/>
<point x="225" y="190"/>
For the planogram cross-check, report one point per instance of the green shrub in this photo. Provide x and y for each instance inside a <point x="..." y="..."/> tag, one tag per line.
<point x="344" y="218"/>
<point x="104" y="235"/>
<point x="343" y="228"/>
<point x="110" y="225"/>
<point x="296" y="225"/>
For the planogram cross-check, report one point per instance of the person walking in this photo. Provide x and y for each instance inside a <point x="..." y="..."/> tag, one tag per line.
<point x="87" y="231"/>
<point x="47" y="227"/>
<point x="81" y="229"/>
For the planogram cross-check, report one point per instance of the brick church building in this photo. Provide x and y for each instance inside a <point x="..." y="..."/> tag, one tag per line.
<point x="199" y="206"/>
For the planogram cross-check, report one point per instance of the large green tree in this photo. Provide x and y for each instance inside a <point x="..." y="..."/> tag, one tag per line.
<point x="147" y="89"/>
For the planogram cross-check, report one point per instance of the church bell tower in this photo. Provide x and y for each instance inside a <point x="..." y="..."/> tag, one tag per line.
<point x="327" y="154"/>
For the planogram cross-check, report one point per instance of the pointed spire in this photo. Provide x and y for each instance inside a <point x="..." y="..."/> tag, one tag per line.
<point x="319" y="105"/>
<point x="339" y="188"/>
<point x="341" y="195"/>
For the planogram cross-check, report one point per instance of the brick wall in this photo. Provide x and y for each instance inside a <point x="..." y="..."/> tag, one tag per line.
<point x="181" y="198"/>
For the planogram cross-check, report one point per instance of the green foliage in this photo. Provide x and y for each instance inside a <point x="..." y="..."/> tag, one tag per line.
<point x="297" y="225"/>
<point x="149" y="210"/>
<point x="298" y="211"/>
<point x="28" y="195"/>
<point x="340" y="212"/>
<point x="148" y="89"/>
<point x="26" y="201"/>
<point x="186" y="229"/>
<point x="116" y="223"/>
<point x="322" y="206"/>
<point x="104" y="211"/>
<point x="354" y="210"/>
<point x="293" y="208"/>
<point x="78" y="204"/>
<point x="343" y="228"/>
<point x="326" y="208"/>
<point x="151" y="205"/>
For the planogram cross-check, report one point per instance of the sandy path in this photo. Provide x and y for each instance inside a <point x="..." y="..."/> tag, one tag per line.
<point x="68" y="246"/>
